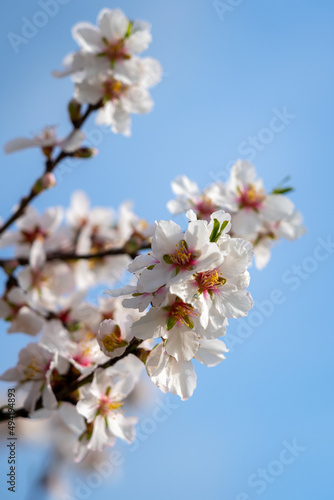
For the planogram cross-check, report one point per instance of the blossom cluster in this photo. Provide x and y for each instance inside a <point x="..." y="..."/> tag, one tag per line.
<point x="182" y="286"/>
<point x="53" y="267"/>
<point x="258" y="216"/>
<point x="194" y="281"/>
<point x="107" y="68"/>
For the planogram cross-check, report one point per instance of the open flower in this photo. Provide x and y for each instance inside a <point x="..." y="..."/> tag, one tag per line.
<point x="113" y="44"/>
<point x="179" y="377"/>
<point x="245" y="197"/>
<point x="175" y="255"/>
<point x="47" y="140"/>
<point x="14" y="307"/>
<point x="34" y="370"/>
<point x="101" y="404"/>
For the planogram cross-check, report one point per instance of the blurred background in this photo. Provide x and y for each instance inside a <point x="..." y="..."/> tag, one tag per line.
<point x="230" y="66"/>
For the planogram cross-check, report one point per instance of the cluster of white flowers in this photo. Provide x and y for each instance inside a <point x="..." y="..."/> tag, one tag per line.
<point x="194" y="280"/>
<point x="108" y="69"/>
<point x="260" y="217"/>
<point x="88" y="357"/>
<point x="47" y="297"/>
<point x="177" y="305"/>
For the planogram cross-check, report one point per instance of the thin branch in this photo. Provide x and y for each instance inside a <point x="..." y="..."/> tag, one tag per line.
<point x="49" y="167"/>
<point x="64" y="393"/>
<point x="72" y="256"/>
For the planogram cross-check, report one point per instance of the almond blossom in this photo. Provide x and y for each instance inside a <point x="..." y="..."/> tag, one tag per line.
<point x="33" y="371"/>
<point x="179" y="377"/>
<point x="15" y="308"/>
<point x="33" y="225"/>
<point x="112" y="45"/>
<point x="47" y="140"/>
<point x="101" y="404"/>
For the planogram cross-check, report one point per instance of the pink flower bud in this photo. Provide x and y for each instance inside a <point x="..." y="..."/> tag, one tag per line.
<point x="48" y="180"/>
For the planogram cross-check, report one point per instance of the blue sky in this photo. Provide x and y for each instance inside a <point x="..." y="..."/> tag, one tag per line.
<point x="227" y="72"/>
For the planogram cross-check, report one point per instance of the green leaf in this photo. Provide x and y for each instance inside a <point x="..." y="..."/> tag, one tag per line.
<point x="151" y="267"/>
<point x="215" y="230"/>
<point x="282" y="190"/>
<point x="128" y="31"/>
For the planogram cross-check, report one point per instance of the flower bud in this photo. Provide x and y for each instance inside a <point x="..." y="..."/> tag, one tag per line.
<point x="74" y="110"/>
<point x="85" y="152"/>
<point x="47" y="151"/>
<point x="48" y="180"/>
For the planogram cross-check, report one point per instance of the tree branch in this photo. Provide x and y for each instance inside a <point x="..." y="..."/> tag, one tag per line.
<point x="72" y="256"/>
<point x="64" y="393"/>
<point x="49" y="167"/>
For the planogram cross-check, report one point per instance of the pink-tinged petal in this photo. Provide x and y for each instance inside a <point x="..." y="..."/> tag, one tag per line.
<point x="122" y="427"/>
<point x="99" y="436"/>
<point x="150" y="326"/>
<point x="86" y="92"/>
<point x="183" y="186"/>
<point x="33" y="395"/>
<point x="88" y="407"/>
<point x="234" y="305"/>
<point x="182" y="379"/>
<point x="239" y="254"/>
<point x="19" y="144"/>
<point x="150" y="72"/>
<point x="113" y="24"/>
<point x="182" y="344"/>
<point x="211" y="352"/>
<point x="142" y="261"/>
<point x="26" y="322"/>
<point x="178" y="206"/>
<point x="276" y="207"/>
<point x="153" y="279"/>
<point x="121" y="121"/>
<point x="137" y="100"/>
<point x="246" y="223"/>
<point x="9" y="238"/>
<point x="48" y="397"/>
<point x="138" y="42"/>
<point x="72" y="142"/>
<point x="243" y="173"/>
<point x="262" y="253"/>
<point x="37" y="254"/>
<point x="70" y="416"/>
<point x="197" y="234"/>
<point x="11" y="375"/>
<point x="73" y="63"/>
<point x="88" y="37"/>
<point x="167" y="235"/>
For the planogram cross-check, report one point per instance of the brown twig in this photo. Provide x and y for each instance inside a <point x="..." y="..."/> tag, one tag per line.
<point x="72" y="256"/>
<point x="49" y="167"/>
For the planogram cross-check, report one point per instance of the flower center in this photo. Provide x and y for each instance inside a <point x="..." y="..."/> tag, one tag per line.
<point x="204" y="208"/>
<point x="31" y="236"/>
<point x="179" y="313"/>
<point x="251" y="198"/>
<point x="34" y="370"/>
<point x="107" y="405"/>
<point x="113" y="89"/>
<point x="115" y="51"/>
<point x="182" y="258"/>
<point x="209" y="281"/>
<point x="113" y="340"/>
